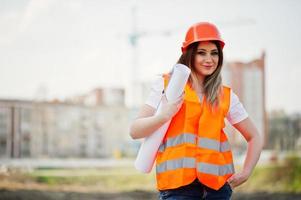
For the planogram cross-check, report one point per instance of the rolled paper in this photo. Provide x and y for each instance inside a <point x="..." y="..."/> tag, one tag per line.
<point x="148" y="149"/>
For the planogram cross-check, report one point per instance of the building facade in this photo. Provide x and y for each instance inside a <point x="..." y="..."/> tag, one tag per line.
<point x="248" y="81"/>
<point x="60" y="129"/>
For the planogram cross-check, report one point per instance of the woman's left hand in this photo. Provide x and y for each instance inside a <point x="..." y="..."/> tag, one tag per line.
<point x="238" y="179"/>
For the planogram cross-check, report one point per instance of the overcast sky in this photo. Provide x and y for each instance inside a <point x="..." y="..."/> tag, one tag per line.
<point x="70" y="47"/>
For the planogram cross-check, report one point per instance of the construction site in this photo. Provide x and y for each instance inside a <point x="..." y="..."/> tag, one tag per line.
<point x="73" y="82"/>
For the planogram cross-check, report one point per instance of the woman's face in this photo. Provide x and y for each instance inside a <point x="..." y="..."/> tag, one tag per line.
<point x="206" y="58"/>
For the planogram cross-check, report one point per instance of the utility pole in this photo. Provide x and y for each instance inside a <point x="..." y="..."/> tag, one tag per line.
<point x="133" y="87"/>
<point x="133" y="93"/>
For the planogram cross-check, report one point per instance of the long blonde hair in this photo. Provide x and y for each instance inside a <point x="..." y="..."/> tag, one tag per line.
<point x="212" y="83"/>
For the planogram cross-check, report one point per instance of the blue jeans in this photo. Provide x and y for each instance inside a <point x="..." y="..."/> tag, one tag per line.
<point x="196" y="191"/>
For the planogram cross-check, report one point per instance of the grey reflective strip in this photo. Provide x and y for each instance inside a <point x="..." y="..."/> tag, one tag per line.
<point x="218" y="170"/>
<point x="176" y="164"/>
<point x="180" y="139"/>
<point x="225" y="146"/>
<point x="161" y="147"/>
<point x="214" y="144"/>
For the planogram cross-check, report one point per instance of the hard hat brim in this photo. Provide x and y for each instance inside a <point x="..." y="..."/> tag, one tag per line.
<point x="186" y="44"/>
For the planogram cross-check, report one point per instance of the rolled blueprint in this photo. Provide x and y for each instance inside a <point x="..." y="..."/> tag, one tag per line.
<point x="148" y="150"/>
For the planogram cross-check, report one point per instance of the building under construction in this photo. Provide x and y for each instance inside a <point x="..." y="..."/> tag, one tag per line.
<point x="84" y="126"/>
<point x="248" y="81"/>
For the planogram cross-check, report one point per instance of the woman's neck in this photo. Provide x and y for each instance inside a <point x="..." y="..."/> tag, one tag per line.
<point x="200" y="84"/>
<point x="201" y="79"/>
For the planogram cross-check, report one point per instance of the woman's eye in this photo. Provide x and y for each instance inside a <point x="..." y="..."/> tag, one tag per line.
<point x="214" y="53"/>
<point x="201" y="53"/>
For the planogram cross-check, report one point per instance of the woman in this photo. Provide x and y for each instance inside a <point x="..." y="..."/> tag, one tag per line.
<point x="194" y="160"/>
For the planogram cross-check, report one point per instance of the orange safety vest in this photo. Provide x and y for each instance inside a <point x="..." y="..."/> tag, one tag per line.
<point x="195" y="145"/>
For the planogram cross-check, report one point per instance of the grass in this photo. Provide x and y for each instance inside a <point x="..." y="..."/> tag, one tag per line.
<point x="273" y="178"/>
<point x="106" y="179"/>
<point x="284" y="177"/>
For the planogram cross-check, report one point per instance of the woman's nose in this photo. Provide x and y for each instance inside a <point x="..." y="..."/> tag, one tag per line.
<point x="208" y="58"/>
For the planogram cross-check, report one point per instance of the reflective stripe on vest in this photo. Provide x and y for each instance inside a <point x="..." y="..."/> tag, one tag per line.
<point x="180" y="139"/>
<point x="191" y="138"/>
<point x="214" y="144"/>
<point x="176" y="164"/>
<point x="219" y="170"/>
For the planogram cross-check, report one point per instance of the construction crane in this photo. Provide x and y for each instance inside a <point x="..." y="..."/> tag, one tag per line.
<point x="133" y="92"/>
<point x="134" y="88"/>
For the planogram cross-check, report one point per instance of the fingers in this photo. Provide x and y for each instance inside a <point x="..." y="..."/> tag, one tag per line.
<point x="230" y="182"/>
<point x="236" y="180"/>
<point x="178" y="102"/>
<point x="180" y="98"/>
<point x="233" y="181"/>
<point x="231" y="186"/>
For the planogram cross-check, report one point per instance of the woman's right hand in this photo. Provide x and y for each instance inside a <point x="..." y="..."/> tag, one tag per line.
<point x="169" y="109"/>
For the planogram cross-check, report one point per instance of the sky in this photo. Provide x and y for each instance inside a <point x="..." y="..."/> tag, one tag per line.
<point x="62" y="48"/>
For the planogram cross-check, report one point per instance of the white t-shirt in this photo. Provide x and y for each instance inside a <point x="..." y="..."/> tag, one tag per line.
<point x="236" y="112"/>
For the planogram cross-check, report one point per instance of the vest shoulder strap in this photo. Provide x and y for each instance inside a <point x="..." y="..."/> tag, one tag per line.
<point x="226" y="98"/>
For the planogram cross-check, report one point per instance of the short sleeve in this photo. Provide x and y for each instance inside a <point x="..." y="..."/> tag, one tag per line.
<point x="155" y="95"/>
<point x="236" y="112"/>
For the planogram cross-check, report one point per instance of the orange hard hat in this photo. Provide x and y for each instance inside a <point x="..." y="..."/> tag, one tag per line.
<point x="203" y="31"/>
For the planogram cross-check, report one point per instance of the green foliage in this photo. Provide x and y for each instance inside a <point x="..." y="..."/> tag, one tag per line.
<point x="284" y="177"/>
<point x="293" y="169"/>
<point x="117" y="179"/>
<point x="281" y="177"/>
